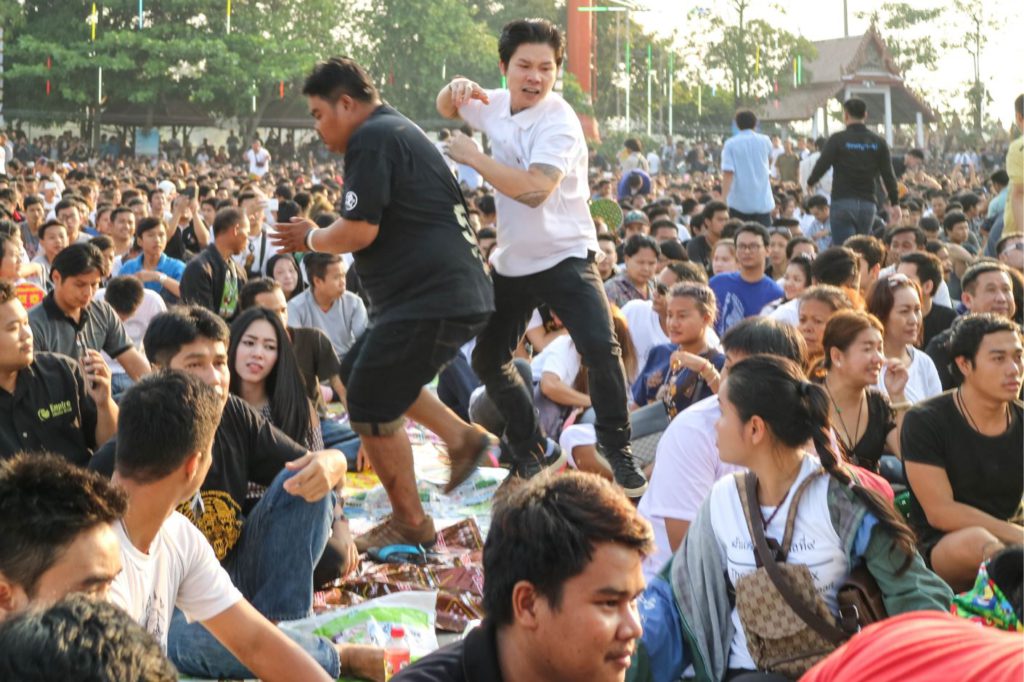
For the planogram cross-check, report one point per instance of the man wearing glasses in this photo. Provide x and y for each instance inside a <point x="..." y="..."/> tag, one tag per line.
<point x="745" y="292"/>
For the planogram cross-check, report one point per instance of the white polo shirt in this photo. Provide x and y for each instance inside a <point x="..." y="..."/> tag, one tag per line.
<point x="531" y="240"/>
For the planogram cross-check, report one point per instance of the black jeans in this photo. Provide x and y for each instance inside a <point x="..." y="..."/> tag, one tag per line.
<point x="573" y="290"/>
<point x="763" y="218"/>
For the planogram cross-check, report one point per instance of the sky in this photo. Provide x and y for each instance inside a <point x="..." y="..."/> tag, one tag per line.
<point x="1002" y="63"/>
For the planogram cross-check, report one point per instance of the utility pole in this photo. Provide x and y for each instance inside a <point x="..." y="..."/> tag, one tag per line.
<point x="1" y="77"/>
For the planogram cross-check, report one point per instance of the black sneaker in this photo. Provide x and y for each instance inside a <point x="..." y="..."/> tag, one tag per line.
<point x="627" y="472"/>
<point x="552" y="458"/>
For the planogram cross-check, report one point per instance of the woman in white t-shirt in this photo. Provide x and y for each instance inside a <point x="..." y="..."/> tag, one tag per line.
<point x="896" y="301"/>
<point x="769" y="412"/>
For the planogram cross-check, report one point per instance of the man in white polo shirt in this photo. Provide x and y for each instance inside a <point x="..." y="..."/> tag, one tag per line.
<point x="546" y="243"/>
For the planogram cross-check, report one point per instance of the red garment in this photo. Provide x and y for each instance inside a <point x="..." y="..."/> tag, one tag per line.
<point x="873" y="481"/>
<point x="925" y="646"/>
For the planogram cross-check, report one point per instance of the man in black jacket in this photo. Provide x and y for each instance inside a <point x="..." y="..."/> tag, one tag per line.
<point x="213" y="279"/>
<point x="858" y="157"/>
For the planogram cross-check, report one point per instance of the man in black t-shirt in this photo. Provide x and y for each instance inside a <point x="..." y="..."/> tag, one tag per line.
<point x="963" y="453"/>
<point x="405" y="220"/>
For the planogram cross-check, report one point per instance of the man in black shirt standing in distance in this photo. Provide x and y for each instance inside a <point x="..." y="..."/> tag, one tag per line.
<point x="546" y="243"/>
<point x="405" y="220"/>
<point x="858" y="157"/>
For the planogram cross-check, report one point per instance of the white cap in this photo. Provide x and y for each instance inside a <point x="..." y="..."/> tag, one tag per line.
<point x="50" y="184"/>
<point x="168" y="187"/>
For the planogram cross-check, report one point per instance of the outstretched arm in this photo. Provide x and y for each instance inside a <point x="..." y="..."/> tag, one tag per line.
<point x="531" y="187"/>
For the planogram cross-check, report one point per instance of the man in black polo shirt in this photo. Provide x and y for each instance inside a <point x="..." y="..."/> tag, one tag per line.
<point x="562" y="568"/>
<point x="70" y="320"/>
<point x="45" y="401"/>
<point x="405" y="221"/>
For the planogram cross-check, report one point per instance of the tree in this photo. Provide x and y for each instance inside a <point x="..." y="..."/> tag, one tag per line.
<point x="975" y="27"/>
<point x="416" y="46"/>
<point x="909" y="34"/>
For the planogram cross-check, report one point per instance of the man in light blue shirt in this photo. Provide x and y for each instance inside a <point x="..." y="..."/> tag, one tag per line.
<point x="745" y="172"/>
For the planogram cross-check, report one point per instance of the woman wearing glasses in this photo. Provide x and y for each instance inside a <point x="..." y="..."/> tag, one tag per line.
<point x="896" y="301"/>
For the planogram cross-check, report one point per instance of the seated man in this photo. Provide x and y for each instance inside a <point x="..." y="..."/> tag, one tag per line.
<point x="80" y="639"/>
<point x="563" y="571"/>
<point x="963" y="453"/>
<point x="135" y="306"/>
<point x="687" y="462"/>
<point x="213" y="279"/>
<point x="165" y="436"/>
<point x="327" y="305"/>
<point x="45" y="401"/>
<point x="987" y="288"/>
<point x="56" y="532"/>
<point x="70" y="320"/>
<point x="292" y="518"/>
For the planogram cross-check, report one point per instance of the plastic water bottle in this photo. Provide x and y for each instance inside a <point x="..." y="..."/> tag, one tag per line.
<point x="396" y="652"/>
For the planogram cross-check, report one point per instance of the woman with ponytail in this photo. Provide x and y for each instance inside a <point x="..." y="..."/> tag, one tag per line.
<point x="769" y="413"/>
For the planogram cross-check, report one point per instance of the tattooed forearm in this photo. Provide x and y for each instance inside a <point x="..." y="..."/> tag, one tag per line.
<point x="551" y="175"/>
<point x="532" y="199"/>
<point x="549" y="172"/>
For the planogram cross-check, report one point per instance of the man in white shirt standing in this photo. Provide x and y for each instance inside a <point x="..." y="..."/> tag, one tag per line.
<point x="258" y="159"/>
<point x="746" y="160"/>
<point x="546" y="243"/>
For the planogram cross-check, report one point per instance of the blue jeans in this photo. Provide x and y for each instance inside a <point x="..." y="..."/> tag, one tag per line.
<point x="340" y="437"/>
<point x="272" y="565"/>
<point x="850" y="217"/>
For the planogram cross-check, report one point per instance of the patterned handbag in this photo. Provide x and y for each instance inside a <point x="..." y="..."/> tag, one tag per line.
<point x="788" y="626"/>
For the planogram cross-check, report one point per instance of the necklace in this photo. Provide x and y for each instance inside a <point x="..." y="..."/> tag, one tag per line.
<point x="767" y="522"/>
<point x="967" y="413"/>
<point x="848" y="443"/>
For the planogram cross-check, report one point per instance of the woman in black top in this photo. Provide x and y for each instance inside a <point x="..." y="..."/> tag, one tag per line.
<point x="865" y="424"/>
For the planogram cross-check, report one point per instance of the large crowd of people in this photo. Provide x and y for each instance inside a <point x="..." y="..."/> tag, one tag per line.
<point x="777" y="365"/>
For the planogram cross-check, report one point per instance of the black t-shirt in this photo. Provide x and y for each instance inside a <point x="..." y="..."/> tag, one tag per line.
<point x="424" y="263"/>
<point x="246" y="448"/>
<point x="938" y="350"/>
<point x="985" y="472"/>
<point x="317" y="362"/>
<point x="881" y="420"/>
<point x="472" y="659"/>
<point x="700" y="252"/>
<point x="49" y="411"/>
<point x="938" y="320"/>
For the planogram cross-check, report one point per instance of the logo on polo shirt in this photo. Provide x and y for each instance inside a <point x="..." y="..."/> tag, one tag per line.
<point x="350" y="200"/>
<point x="55" y="410"/>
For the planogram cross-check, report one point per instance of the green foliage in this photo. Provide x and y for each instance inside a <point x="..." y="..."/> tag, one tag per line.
<point x="908" y="33"/>
<point x="574" y="95"/>
<point x="419" y="45"/>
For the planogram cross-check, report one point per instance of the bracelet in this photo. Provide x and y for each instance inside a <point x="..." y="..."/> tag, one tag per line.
<point x="309" y="241"/>
<point x="162" y="279"/>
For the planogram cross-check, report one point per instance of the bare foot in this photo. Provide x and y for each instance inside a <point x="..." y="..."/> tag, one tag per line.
<point x="362" y="661"/>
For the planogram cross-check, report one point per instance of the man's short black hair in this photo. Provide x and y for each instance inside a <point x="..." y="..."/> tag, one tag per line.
<point x="491" y="233"/>
<point x="102" y="242"/>
<point x="952" y="219"/>
<point x="79" y="638"/>
<point x="145" y="225"/>
<point x="66" y="202"/>
<point x="764" y="335"/>
<point x="317" y="263"/>
<point x="340" y="76"/>
<point x="871" y="249"/>
<point x="664" y="223"/>
<point x="255" y="287"/>
<point x="32" y="200"/>
<point x="118" y="211"/>
<point x="124" y="294"/>
<point x="180" y="326"/>
<point x="1000" y="177"/>
<point x="77" y="259"/>
<point x="45" y="504"/>
<point x="486" y="204"/>
<point x="836" y="265"/>
<point x="929" y="223"/>
<point x="226" y="219"/>
<point x="635" y="243"/>
<point x="673" y="250"/>
<point x="797" y="241"/>
<point x="526" y="31"/>
<point x="968" y="332"/>
<point x="816" y="201"/>
<point x="920" y="239"/>
<point x="546" y="533"/>
<point x="746" y="119"/>
<point x="929" y="268"/>
<point x="856" y="108"/>
<point x="969" y="280"/>
<point x="754" y="228"/>
<point x="164" y="418"/>
<point x="713" y="207"/>
<point x="917" y="153"/>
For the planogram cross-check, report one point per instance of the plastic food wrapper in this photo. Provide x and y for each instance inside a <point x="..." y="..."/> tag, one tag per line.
<point x="472" y="498"/>
<point x="370" y="622"/>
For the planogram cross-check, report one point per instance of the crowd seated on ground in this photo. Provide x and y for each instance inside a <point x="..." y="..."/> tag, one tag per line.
<point x="855" y="402"/>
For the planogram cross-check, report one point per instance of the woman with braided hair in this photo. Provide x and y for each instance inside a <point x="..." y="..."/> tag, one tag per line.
<point x="769" y="413"/>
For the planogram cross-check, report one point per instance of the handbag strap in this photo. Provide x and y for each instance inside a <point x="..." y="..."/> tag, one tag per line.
<point x="763" y="553"/>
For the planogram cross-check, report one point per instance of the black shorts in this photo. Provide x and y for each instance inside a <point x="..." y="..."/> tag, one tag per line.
<point x="387" y="367"/>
